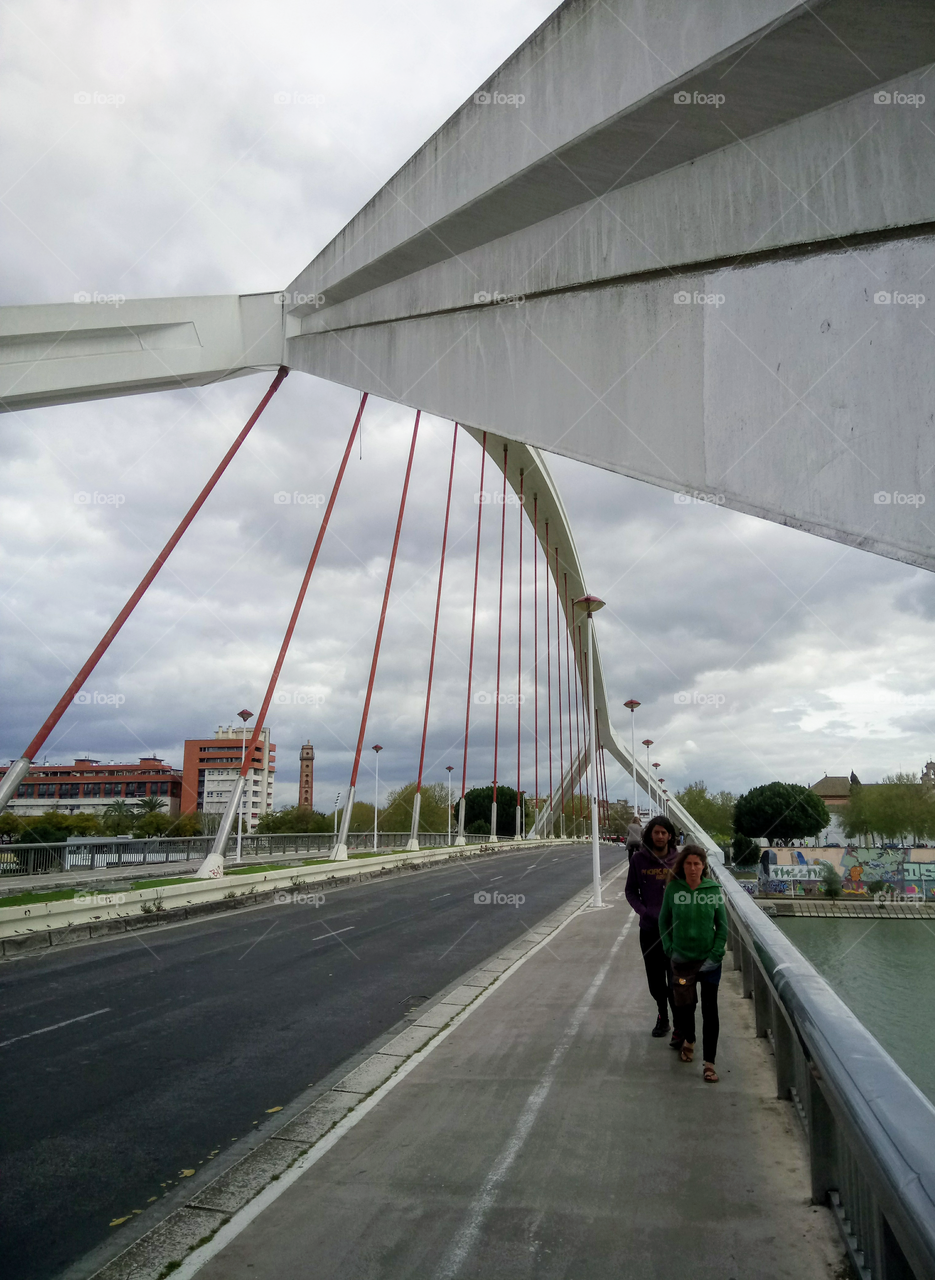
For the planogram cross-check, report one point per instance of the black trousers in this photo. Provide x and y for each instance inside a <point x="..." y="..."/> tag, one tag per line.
<point x="658" y="971"/>
<point x="683" y="1016"/>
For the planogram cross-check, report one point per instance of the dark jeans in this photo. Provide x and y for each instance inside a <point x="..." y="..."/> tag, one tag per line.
<point x="658" y="972"/>
<point x="683" y="1017"/>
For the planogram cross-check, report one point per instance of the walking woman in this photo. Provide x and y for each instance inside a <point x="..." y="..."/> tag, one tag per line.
<point x="693" y="928"/>
<point x="646" y="885"/>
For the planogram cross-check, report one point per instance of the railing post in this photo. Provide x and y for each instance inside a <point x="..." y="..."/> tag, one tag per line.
<point x="761" y="1000"/>
<point x="784" y="1048"/>
<point x="820" y="1140"/>
<point x="746" y="967"/>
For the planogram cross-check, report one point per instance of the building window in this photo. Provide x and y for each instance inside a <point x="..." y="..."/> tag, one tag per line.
<point x="69" y="791"/>
<point x="92" y="789"/>
<point x="112" y="788"/>
<point x="26" y="789"/>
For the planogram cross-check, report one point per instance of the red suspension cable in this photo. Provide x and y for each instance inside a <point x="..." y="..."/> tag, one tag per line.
<point x="548" y="667"/>
<point x="535" y="635"/>
<point x="467" y="714"/>
<point x="300" y="598"/>
<point x="519" y="665"/>
<point x="154" y="568"/>
<point x="558" y="667"/>
<point x="438" y="605"/>
<point x="571" y="747"/>
<point x="386" y="600"/>
<point x="496" y="718"/>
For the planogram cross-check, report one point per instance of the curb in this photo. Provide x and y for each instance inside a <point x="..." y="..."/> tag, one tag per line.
<point x="41" y="939"/>
<point x="161" y="1251"/>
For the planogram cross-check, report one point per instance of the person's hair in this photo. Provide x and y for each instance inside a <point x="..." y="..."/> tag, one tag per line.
<point x="690" y="851"/>
<point x="660" y="821"/>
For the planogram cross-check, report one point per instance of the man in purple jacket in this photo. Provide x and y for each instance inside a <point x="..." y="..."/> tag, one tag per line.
<point x="646" y="884"/>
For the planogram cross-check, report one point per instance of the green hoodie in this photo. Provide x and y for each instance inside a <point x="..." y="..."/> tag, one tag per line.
<point x="693" y="922"/>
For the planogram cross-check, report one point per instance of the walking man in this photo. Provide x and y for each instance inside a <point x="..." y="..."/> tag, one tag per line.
<point x="646" y="885"/>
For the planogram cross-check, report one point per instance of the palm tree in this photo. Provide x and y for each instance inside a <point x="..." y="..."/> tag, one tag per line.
<point x="118" y="817"/>
<point x="151" y="804"/>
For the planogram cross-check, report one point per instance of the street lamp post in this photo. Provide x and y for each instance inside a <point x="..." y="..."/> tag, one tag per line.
<point x="376" y="790"/>
<point x="449" y="767"/>
<point x="631" y="704"/>
<point x="647" y="743"/>
<point x="336" y="802"/>
<point x="591" y="604"/>
<point x="244" y="716"/>
<point x="657" y="766"/>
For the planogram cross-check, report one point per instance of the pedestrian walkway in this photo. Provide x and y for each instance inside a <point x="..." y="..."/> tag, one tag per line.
<point x="548" y="1135"/>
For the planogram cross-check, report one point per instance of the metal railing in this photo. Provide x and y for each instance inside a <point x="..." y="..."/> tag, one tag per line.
<point x="870" y="1131"/>
<point x="37" y="859"/>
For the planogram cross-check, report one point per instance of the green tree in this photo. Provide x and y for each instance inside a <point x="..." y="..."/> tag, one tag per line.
<point x="478" y="802"/>
<point x="780" y="811"/>
<point x="151" y="804"/>
<point x="185" y="826"/>
<point x="298" y="820"/>
<point x="433" y="811"/>
<point x="713" y="812"/>
<point x="617" y="818"/>
<point x="118" y="818"/>
<point x="745" y="851"/>
<point x="831" y="882"/>
<point x="898" y="809"/>
<point x="151" y="824"/>
<point x="46" y="828"/>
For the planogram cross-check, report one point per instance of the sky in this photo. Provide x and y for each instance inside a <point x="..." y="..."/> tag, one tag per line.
<point x="757" y="652"/>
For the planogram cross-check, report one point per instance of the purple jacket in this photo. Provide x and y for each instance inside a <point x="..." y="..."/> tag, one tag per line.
<point x="646" y="883"/>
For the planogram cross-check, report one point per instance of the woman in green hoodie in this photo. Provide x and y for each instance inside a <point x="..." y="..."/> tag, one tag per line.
<point x="693" y="928"/>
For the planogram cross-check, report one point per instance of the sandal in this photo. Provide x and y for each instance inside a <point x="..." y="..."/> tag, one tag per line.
<point x="710" y="1075"/>
<point x="687" y="1052"/>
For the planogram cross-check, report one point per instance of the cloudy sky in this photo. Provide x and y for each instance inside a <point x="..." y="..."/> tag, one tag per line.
<point x="757" y="652"/>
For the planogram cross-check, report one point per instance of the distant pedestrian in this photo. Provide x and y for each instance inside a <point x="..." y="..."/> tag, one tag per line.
<point x="693" y="928"/>
<point x="634" y="835"/>
<point x="650" y="865"/>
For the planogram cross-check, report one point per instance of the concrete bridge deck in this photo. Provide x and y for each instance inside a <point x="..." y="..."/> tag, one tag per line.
<point x="549" y="1135"/>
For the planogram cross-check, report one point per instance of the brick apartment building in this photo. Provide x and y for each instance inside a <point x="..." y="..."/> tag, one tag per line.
<point x="88" y="786"/>
<point x="211" y="765"/>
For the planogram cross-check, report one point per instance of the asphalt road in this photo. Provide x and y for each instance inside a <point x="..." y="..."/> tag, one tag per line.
<point x="128" y="1061"/>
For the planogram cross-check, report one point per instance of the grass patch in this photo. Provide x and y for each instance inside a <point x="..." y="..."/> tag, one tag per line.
<point x="26" y="899"/>
<point x="157" y="884"/>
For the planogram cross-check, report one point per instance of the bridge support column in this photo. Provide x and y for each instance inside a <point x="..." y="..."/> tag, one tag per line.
<point x="746" y="967"/>
<point x="761" y="1001"/>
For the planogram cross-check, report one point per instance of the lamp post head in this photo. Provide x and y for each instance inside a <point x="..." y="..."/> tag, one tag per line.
<point x="245" y="715"/>
<point x="647" y="742"/>
<point x="589" y="603"/>
<point x="449" y="767"/>
<point x="376" y="747"/>
<point x="631" y="704"/>
<point x="656" y="764"/>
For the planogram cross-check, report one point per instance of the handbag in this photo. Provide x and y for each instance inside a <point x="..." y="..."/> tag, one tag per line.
<point x="684" y="982"/>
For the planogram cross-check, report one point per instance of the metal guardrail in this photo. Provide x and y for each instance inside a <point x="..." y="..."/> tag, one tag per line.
<point x="870" y="1130"/>
<point x="37" y="859"/>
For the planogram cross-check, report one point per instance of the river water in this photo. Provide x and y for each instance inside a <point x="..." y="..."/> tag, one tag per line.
<point x="883" y="970"/>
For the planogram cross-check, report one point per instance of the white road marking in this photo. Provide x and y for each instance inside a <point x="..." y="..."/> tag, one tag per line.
<point x="54" y="1027"/>
<point x="492" y="878"/>
<point x="334" y="933"/>
<point x="439" y="895"/>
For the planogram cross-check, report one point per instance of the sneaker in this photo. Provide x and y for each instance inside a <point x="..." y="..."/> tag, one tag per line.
<point x="661" y="1027"/>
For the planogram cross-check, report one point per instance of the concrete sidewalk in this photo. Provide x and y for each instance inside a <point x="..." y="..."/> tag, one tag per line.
<point x="548" y="1135"/>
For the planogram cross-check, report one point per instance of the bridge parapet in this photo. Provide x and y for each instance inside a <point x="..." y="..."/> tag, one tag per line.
<point x="870" y="1130"/>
